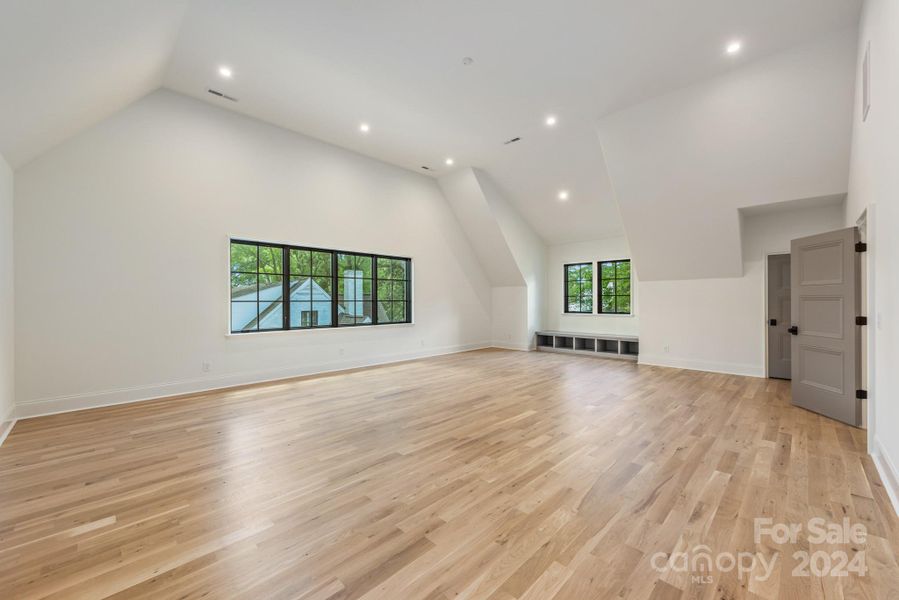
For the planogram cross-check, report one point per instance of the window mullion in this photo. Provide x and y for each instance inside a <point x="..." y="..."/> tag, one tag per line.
<point x="334" y="289"/>
<point x="408" y="306"/>
<point x="374" y="290"/>
<point x="285" y="288"/>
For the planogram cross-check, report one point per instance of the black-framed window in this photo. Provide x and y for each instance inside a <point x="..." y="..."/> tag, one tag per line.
<point x="579" y="288"/>
<point x="277" y="286"/>
<point x="615" y="287"/>
<point x="354" y="289"/>
<point x="257" y="287"/>
<point x="311" y="288"/>
<point x="394" y="293"/>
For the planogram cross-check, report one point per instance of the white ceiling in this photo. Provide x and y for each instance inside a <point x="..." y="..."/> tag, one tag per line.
<point x="685" y="163"/>
<point x="67" y="65"/>
<point x="321" y="66"/>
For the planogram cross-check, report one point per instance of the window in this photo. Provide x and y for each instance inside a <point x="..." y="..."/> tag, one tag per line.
<point x="311" y="288"/>
<point x="393" y="290"/>
<point x="308" y="318"/>
<point x="354" y="285"/>
<point x="276" y="286"/>
<point x="615" y="287"/>
<point x="579" y="288"/>
<point x="257" y="287"/>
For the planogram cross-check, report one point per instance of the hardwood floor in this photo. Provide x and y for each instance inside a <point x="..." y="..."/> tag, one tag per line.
<point x="492" y="474"/>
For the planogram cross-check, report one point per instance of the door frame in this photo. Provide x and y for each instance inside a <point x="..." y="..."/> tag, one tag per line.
<point x="865" y="224"/>
<point x="765" y="303"/>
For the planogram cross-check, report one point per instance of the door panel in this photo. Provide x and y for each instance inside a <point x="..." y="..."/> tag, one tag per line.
<point x="821" y="368"/>
<point x="822" y="316"/>
<point x="821" y="264"/>
<point x="824" y="304"/>
<point x="779" y="309"/>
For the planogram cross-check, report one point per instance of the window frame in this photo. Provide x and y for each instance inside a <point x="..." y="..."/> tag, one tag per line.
<point x="599" y="286"/>
<point x="286" y="278"/>
<point x="565" y="296"/>
<point x="257" y="274"/>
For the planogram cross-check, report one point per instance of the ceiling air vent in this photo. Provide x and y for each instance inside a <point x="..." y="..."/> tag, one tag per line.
<point x="221" y="95"/>
<point x="426" y="168"/>
<point x="512" y="141"/>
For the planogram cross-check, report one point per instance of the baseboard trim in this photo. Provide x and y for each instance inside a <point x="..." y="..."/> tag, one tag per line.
<point x="502" y="346"/>
<point x="889" y="475"/>
<point x="61" y="404"/>
<point x="6" y="425"/>
<point x="700" y="365"/>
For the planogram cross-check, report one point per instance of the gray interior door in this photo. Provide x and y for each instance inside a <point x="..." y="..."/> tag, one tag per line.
<point x="779" y="310"/>
<point x="825" y="348"/>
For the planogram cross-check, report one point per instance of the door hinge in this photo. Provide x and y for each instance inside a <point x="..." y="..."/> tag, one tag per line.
<point x="861" y="394"/>
<point x="861" y="247"/>
<point x="861" y="320"/>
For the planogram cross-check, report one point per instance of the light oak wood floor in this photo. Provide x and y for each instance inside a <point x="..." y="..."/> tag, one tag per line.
<point x="491" y="474"/>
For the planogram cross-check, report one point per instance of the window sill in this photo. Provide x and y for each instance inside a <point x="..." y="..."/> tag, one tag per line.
<point x="252" y="334"/>
<point x="630" y="316"/>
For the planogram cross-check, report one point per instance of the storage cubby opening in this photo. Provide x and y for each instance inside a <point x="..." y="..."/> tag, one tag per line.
<point x="564" y="342"/>
<point x="584" y="344"/>
<point x="608" y="346"/>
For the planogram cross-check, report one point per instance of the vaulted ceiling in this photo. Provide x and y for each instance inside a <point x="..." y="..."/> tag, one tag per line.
<point x="67" y="65"/>
<point x="321" y="67"/>
<point x="685" y="163"/>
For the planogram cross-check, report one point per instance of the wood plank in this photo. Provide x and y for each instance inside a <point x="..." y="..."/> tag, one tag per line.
<point x="484" y="475"/>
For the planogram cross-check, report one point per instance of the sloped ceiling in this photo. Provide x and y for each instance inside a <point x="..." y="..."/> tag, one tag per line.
<point x="683" y="164"/>
<point x="67" y="65"/>
<point x="320" y="67"/>
<point x="465" y="195"/>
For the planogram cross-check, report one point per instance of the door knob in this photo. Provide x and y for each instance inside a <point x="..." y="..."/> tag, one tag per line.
<point x="794" y="330"/>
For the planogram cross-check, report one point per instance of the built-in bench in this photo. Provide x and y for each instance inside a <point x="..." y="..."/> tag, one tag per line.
<point x="601" y="345"/>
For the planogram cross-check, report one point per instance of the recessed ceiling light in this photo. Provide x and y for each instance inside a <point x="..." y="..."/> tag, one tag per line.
<point x="734" y="47"/>
<point x="563" y="195"/>
<point x="226" y="72"/>
<point x="364" y="128"/>
<point x="551" y="120"/>
<point x="449" y="162"/>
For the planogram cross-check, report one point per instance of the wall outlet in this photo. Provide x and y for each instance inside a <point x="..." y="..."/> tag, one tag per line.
<point x="666" y="348"/>
<point x="206" y="366"/>
<point x="340" y="351"/>
<point x="422" y="343"/>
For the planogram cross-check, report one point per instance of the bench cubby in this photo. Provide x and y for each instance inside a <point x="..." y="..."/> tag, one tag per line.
<point x="625" y="347"/>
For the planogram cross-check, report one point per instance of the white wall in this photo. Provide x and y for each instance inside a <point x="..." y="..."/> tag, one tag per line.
<point x="511" y="252"/>
<point x="529" y="253"/>
<point x="719" y="324"/>
<point x="559" y="255"/>
<point x="509" y="326"/>
<point x="469" y="203"/>
<point x="122" y="255"/>
<point x="7" y="300"/>
<point x="874" y="184"/>
<point x="771" y="130"/>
